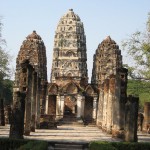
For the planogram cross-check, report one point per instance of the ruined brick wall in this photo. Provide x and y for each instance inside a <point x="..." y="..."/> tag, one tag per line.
<point x="111" y="80"/>
<point x="33" y="49"/>
<point x="31" y="77"/>
<point x="131" y="117"/>
<point x="146" y="121"/>
<point x="52" y="104"/>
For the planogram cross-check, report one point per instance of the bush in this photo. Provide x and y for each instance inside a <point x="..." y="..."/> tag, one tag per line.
<point x="101" y="146"/>
<point x="34" y="145"/>
<point x="11" y="144"/>
<point x="20" y="144"/>
<point x="119" y="146"/>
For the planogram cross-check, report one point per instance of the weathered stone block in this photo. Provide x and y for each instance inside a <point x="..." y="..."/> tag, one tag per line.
<point x="131" y="116"/>
<point x="17" y="116"/>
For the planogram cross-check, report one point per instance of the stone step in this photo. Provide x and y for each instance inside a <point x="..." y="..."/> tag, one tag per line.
<point x="71" y="121"/>
<point x="68" y="146"/>
<point x="71" y="124"/>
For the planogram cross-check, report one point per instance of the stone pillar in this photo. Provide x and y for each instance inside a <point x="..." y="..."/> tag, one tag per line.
<point x="7" y="114"/>
<point x="43" y="96"/>
<point x="94" y="107"/>
<point x="79" y="105"/>
<point x="82" y="106"/>
<point x="110" y="104"/>
<point x="33" y="101"/>
<point x="2" y="116"/>
<point x="46" y="106"/>
<point x="58" y="107"/>
<point x="28" y="102"/>
<point x="38" y="103"/>
<point x="100" y="107"/>
<point x="106" y="94"/>
<point x="116" y="110"/>
<point x="131" y="116"/>
<point x="123" y="97"/>
<point x="17" y="116"/>
<point x="61" y="106"/>
<point x="146" y="116"/>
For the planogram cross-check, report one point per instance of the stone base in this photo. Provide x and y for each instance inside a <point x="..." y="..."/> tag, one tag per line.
<point x="118" y="134"/>
<point x="47" y="122"/>
<point x="32" y="129"/>
<point x="16" y="136"/>
<point x="27" y="132"/>
<point x="37" y="125"/>
<point x="89" y="121"/>
<point x="48" y="125"/>
<point x="109" y="130"/>
<point x="99" y="125"/>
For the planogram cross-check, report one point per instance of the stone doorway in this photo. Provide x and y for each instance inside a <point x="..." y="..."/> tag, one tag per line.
<point x="70" y="106"/>
<point x="88" y="110"/>
<point x="52" y="104"/>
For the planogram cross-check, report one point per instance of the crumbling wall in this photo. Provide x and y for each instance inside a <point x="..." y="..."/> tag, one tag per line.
<point x="31" y="78"/>
<point x="110" y="78"/>
<point x="131" y="116"/>
<point x="146" y="121"/>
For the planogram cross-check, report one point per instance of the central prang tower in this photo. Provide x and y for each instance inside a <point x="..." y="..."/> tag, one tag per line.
<point x="69" y="54"/>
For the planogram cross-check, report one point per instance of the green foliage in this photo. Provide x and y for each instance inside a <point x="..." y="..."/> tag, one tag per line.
<point x="4" y="56"/>
<point x="101" y="146"/>
<point x="138" y="47"/>
<point x="119" y="146"/>
<point x="34" y="145"/>
<point x="4" y="63"/>
<point x="5" y="84"/>
<point x="139" y="88"/>
<point x="11" y="144"/>
<point x="7" y="91"/>
<point x="19" y="144"/>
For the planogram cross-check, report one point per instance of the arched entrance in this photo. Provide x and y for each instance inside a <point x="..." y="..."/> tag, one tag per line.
<point x="52" y="104"/>
<point x="70" y="106"/>
<point x="88" y="111"/>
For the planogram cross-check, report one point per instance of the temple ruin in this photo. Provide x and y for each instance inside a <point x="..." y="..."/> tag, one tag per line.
<point x="102" y="102"/>
<point x="69" y="93"/>
<point x="31" y="79"/>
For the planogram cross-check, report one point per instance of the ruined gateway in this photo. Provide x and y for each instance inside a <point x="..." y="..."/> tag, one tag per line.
<point x="69" y="95"/>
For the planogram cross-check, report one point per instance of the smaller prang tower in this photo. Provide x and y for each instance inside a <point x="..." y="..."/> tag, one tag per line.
<point x="69" y="53"/>
<point x="110" y="78"/>
<point x="31" y="80"/>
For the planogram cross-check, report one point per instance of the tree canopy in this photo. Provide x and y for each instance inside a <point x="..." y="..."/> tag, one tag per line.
<point x="4" y="56"/>
<point x="139" y="88"/>
<point x="138" y="47"/>
<point x="5" y="83"/>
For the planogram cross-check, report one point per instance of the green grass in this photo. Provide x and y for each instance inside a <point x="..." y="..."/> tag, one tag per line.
<point x="98" y="145"/>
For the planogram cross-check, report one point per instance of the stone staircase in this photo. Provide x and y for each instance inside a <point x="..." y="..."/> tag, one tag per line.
<point x="67" y="146"/>
<point x="71" y="120"/>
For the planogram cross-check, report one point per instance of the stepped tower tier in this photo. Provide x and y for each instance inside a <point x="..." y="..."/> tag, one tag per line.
<point x="110" y="78"/>
<point x="33" y="50"/>
<point x="69" y="53"/>
<point x="106" y="61"/>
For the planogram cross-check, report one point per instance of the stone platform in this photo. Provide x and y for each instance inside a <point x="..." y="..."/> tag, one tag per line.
<point x="72" y="134"/>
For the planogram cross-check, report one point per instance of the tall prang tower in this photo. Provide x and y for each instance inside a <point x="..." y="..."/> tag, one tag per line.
<point x="69" y="53"/>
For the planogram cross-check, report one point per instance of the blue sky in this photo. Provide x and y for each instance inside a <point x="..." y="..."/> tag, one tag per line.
<point x="101" y="18"/>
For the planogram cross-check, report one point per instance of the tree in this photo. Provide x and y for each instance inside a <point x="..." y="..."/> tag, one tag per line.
<point x="4" y="57"/>
<point x="139" y="88"/>
<point x="7" y="91"/>
<point x="138" y="46"/>
<point x="5" y="83"/>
